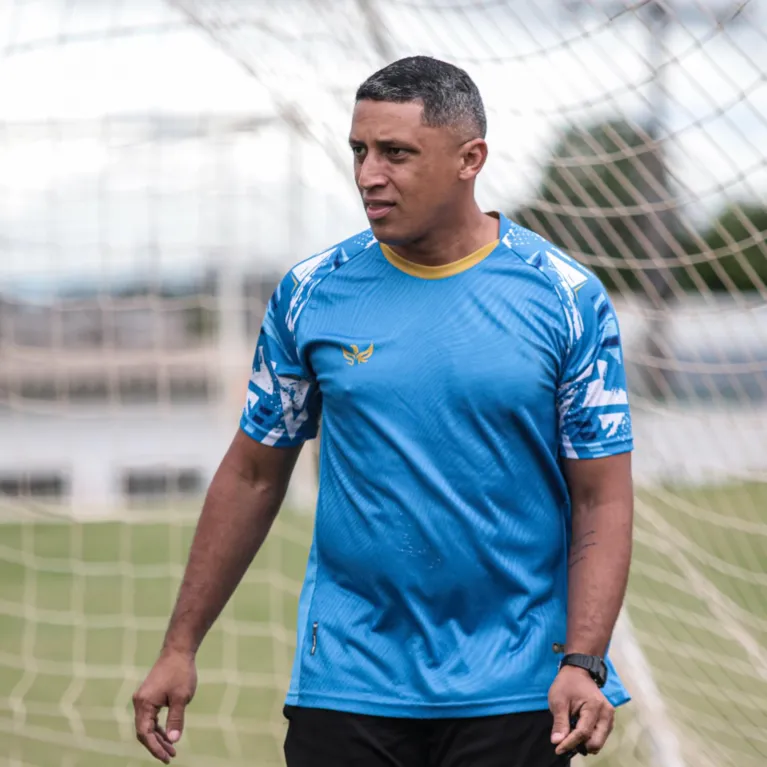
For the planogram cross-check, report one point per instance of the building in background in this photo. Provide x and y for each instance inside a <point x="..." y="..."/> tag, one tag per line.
<point x="108" y="401"/>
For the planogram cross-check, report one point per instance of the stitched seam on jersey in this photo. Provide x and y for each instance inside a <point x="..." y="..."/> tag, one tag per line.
<point x="307" y="628"/>
<point x="308" y="624"/>
<point x="418" y="702"/>
<point x="322" y="280"/>
<point x="560" y="302"/>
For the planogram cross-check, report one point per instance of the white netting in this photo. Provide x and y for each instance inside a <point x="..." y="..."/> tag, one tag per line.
<point x="162" y="163"/>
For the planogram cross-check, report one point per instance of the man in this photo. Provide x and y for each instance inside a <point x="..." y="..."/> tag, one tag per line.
<point x="473" y="526"/>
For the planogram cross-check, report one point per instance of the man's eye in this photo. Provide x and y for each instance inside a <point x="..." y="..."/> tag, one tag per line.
<point x="395" y="151"/>
<point x="358" y="151"/>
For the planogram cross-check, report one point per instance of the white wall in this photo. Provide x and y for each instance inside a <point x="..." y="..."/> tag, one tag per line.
<point x="92" y="447"/>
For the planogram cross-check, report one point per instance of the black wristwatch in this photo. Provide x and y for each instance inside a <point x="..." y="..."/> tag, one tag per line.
<point x="591" y="663"/>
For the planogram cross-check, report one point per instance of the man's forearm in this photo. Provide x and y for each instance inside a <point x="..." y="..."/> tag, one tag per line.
<point x="598" y="565"/>
<point x="235" y="519"/>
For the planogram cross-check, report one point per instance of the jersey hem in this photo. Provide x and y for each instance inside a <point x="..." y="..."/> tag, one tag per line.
<point x="407" y="710"/>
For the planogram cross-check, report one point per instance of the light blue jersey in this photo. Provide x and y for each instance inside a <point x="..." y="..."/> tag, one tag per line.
<point x="437" y="578"/>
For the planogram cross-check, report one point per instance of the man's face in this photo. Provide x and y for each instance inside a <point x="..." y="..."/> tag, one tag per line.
<point x="408" y="173"/>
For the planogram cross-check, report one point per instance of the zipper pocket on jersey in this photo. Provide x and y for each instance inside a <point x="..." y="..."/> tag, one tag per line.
<point x="315" y="626"/>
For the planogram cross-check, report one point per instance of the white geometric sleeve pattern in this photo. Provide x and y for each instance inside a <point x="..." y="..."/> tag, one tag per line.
<point x="592" y="396"/>
<point x="282" y="405"/>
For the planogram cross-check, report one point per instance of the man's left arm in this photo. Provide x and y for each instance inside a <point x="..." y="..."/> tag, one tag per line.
<point x="596" y="441"/>
<point x="600" y="553"/>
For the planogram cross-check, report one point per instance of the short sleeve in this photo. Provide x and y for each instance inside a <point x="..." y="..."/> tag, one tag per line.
<point x="592" y="396"/>
<point x="282" y="407"/>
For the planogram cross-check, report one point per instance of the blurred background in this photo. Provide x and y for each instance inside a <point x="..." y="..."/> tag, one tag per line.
<point x="163" y="164"/>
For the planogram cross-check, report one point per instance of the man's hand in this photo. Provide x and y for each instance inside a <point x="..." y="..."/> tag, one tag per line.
<point x="575" y="695"/>
<point x="241" y="504"/>
<point x="172" y="683"/>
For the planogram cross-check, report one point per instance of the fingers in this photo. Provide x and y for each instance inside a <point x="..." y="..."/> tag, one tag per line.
<point x="602" y="730"/>
<point x="587" y="719"/>
<point x="165" y="740"/>
<point x="560" y="708"/>
<point x="175" y="722"/>
<point x="148" y="731"/>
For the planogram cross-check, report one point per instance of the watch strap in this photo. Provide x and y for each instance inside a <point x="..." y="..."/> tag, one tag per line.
<point x="594" y="664"/>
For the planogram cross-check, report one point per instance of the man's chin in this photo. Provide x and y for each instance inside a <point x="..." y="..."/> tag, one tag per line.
<point x="386" y="231"/>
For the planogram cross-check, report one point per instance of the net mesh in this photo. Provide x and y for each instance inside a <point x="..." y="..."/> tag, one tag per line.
<point x="161" y="165"/>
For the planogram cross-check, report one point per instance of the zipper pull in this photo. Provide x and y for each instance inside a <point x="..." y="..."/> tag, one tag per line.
<point x="314" y="637"/>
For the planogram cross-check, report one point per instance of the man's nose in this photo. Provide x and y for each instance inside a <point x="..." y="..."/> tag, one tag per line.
<point x="370" y="173"/>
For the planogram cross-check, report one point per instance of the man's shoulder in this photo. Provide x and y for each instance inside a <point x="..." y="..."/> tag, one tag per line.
<point x="301" y="280"/>
<point x="580" y="291"/>
<point x="328" y="260"/>
<point x="562" y="270"/>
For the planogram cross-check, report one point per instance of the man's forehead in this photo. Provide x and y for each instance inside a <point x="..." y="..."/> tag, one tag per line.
<point x="387" y="120"/>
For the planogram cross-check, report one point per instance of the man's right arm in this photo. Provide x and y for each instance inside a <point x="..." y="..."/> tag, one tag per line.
<point x="240" y="507"/>
<point x="242" y="502"/>
<point x="281" y="412"/>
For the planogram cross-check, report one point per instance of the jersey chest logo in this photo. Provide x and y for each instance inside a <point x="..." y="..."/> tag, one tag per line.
<point x="354" y="356"/>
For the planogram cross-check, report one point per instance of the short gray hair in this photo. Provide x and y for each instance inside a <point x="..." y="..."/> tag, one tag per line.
<point x="450" y="97"/>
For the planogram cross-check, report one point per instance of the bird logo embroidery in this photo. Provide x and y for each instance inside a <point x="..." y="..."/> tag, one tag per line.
<point x="353" y="355"/>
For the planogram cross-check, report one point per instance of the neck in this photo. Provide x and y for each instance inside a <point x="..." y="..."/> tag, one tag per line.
<point x="452" y="241"/>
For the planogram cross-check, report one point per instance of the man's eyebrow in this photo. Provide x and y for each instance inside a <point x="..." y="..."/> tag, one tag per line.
<point x="392" y="142"/>
<point x="384" y="142"/>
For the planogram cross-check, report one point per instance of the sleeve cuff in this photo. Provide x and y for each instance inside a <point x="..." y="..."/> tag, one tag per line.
<point x="587" y="450"/>
<point x="274" y="436"/>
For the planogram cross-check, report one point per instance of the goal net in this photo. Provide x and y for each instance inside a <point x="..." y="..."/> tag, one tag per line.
<point x="163" y="163"/>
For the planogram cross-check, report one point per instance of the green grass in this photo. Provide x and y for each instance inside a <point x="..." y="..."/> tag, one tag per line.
<point x="697" y="599"/>
<point x="122" y="578"/>
<point x="698" y="602"/>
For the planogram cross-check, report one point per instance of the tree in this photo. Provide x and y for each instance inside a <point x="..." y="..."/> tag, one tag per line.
<point x="731" y="255"/>
<point x="603" y="199"/>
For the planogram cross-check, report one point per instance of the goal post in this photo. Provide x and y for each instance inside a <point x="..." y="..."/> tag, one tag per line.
<point x="162" y="164"/>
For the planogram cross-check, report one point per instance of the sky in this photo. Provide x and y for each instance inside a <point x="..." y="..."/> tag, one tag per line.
<point x="140" y="138"/>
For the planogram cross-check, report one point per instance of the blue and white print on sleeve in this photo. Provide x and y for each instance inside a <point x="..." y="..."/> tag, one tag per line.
<point x="592" y="396"/>
<point x="283" y="403"/>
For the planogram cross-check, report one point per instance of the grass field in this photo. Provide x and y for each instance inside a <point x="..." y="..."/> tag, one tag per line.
<point x="83" y="608"/>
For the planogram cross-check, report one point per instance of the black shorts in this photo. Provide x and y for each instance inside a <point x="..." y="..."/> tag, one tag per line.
<point x="322" y="738"/>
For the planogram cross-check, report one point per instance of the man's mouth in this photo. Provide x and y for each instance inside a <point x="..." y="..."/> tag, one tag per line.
<point x="377" y="209"/>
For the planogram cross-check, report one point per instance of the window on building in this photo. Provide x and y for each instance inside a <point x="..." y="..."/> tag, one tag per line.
<point x="160" y="482"/>
<point x="50" y="485"/>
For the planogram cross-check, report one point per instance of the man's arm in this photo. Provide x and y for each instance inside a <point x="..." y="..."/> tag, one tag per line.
<point x="602" y="502"/>
<point x="600" y="553"/>
<point x="240" y="507"/>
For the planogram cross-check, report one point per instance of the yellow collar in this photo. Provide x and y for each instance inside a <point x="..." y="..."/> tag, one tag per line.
<point x="438" y="272"/>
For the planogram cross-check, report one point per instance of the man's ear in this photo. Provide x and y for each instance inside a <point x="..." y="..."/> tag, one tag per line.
<point x="473" y="156"/>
